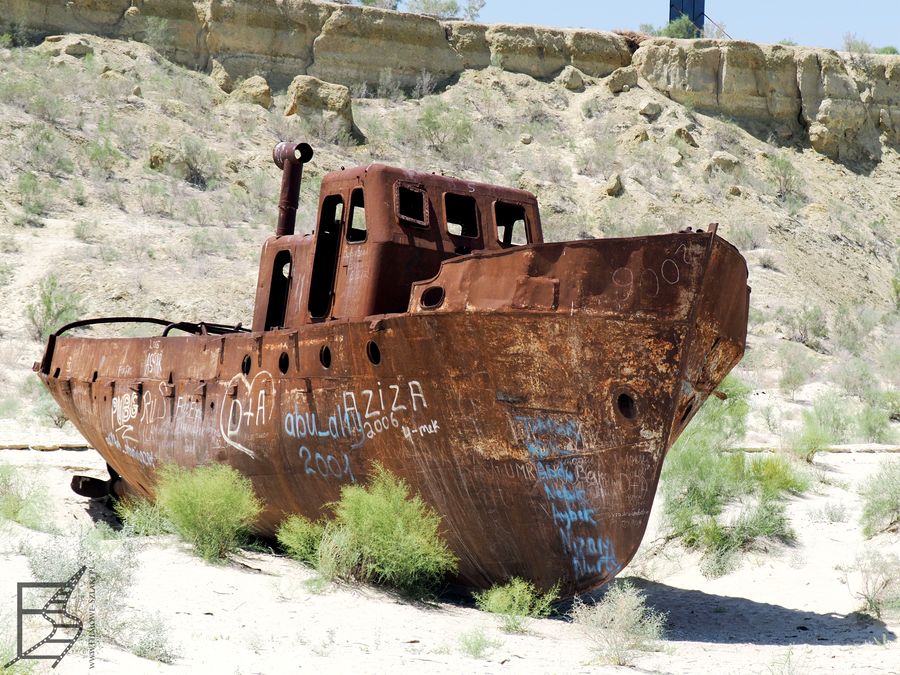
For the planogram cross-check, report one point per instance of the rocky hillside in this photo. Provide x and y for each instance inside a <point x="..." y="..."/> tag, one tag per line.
<point x="136" y="139"/>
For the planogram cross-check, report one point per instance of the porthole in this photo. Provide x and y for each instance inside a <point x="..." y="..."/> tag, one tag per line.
<point x="626" y="405"/>
<point x="325" y="356"/>
<point x="245" y="365"/>
<point x="284" y="362"/>
<point x="433" y="297"/>
<point x="94" y="377"/>
<point x="373" y="352"/>
<point x="56" y="373"/>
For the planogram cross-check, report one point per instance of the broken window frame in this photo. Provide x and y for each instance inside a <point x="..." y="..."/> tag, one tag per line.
<point x="350" y="214"/>
<point x="408" y="221"/>
<point x="525" y="221"/>
<point x="461" y="225"/>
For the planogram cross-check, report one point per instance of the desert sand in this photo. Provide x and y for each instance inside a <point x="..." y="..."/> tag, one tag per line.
<point x="786" y="609"/>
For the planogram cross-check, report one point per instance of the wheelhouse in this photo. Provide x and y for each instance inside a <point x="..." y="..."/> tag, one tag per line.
<point x="379" y="230"/>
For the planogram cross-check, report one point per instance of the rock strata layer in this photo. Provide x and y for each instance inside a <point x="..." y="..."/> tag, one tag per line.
<point x="846" y="107"/>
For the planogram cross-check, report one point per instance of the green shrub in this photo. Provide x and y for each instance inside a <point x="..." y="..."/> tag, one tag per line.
<point x="103" y="156"/>
<point x="682" y="27"/>
<point x="443" y="125"/>
<point x="516" y="602"/>
<point x="797" y="366"/>
<point x="34" y="194"/>
<point x="55" y="307"/>
<point x="766" y="520"/>
<point x="887" y="49"/>
<point x="301" y="537"/>
<point x="812" y="437"/>
<point x="203" y="165"/>
<point x="874" y="424"/>
<point x="47" y="409"/>
<point x="620" y="623"/>
<point x="852" y="325"/>
<point x="22" y="498"/>
<point x="212" y="507"/>
<point x="444" y="9"/>
<point x="806" y="326"/>
<point x="855" y="377"/>
<point x="785" y="177"/>
<point x="832" y="415"/>
<point x="700" y="478"/>
<point x="775" y="476"/>
<point x="142" y="518"/>
<point x="85" y="231"/>
<point x="476" y="644"/>
<point x="6" y="273"/>
<point x="881" y="499"/>
<point x="394" y="534"/>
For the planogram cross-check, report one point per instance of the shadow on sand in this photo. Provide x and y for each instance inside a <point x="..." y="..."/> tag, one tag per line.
<point x="695" y="616"/>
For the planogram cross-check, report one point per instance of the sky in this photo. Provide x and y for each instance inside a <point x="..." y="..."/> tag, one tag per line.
<point x="821" y="23"/>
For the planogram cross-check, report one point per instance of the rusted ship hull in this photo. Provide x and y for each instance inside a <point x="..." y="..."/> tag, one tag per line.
<point x="531" y="409"/>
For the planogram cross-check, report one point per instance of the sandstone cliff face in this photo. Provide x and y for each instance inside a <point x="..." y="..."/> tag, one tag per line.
<point x="845" y="107"/>
<point x="842" y="104"/>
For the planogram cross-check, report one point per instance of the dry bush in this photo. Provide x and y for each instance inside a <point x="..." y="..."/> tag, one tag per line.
<point x="874" y="578"/>
<point x="620" y="624"/>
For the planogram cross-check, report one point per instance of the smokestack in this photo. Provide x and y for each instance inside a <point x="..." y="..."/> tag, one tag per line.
<point x="290" y="158"/>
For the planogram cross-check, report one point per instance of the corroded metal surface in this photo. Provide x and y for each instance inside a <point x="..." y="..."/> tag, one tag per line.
<point x="528" y="393"/>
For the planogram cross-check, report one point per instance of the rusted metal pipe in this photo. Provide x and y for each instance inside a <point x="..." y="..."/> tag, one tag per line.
<point x="290" y="158"/>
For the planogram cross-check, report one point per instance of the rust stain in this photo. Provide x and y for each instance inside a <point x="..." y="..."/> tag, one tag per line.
<point x="529" y="391"/>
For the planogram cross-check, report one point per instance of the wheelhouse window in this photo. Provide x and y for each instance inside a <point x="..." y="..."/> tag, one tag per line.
<point x="328" y="238"/>
<point x="411" y="205"/>
<point x="279" y="288"/>
<point x="512" y="229"/>
<point x="461" y="214"/>
<point x="356" y="225"/>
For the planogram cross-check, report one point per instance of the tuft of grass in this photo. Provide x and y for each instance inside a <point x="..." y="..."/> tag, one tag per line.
<point x="881" y="499"/>
<point x="767" y="519"/>
<point x="212" y="507"/>
<point x="301" y="537"/>
<point x="149" y="637"/>
<point x="832" y="512"/>
<point x="142" y="518"/>
<point x="22" y="498"/>
<point x="476" y="644"/>
<point x="620" y="623"/>
<point x="54" y="307"/>
<point x="516" y="602"/>
<point x="8" y="650"/>
<point x="336" y="558"/>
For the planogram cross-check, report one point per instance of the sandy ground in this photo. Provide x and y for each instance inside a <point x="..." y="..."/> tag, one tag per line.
<point x="784" y="610"/>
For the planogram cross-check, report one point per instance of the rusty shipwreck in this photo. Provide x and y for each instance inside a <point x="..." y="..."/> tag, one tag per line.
<point x="529" y="391"/>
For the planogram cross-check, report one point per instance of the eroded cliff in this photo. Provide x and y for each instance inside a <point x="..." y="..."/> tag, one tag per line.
<point x="846" y="107"/>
